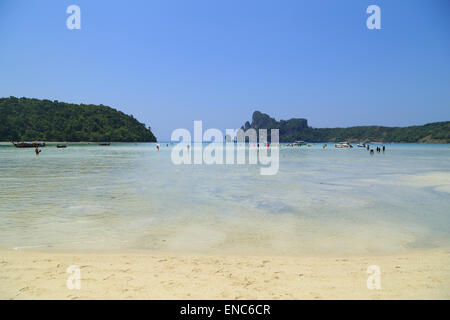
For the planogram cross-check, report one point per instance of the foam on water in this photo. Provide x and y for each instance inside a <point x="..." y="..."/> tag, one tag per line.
<point x="128" y="196"/>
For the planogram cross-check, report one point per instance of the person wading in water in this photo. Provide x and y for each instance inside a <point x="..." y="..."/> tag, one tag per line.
<point x="37" y="151"/>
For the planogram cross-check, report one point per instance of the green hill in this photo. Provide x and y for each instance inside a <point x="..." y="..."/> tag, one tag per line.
<point x="23" y="119"/>
<point x="298" y="129"/>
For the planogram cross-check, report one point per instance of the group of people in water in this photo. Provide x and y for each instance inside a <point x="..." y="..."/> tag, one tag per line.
<point x="257" y="145"/>
<point x="157" y="146"/>
<point x="378" y="149"/>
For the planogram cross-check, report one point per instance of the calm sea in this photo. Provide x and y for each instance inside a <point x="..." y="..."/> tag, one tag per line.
<point x="131" y="197"/>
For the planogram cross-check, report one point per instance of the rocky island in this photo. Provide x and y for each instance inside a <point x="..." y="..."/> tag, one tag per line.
<point x="298" y="129"/>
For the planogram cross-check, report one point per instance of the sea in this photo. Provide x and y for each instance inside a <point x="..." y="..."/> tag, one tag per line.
<point x="130" y="196"/>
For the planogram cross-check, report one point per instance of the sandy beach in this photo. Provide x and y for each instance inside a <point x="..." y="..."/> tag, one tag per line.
<point x="139" y="228"/>
<point x="146" y="275"/>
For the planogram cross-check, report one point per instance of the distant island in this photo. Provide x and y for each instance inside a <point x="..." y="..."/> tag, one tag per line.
<point x="23" y="119"/>
<point x="298" y="129"/>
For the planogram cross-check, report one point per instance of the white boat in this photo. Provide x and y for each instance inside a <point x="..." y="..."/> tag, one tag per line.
<point x="344" y="145"/>
<point x="361" y="145"/>
<point x="299" y="143"/>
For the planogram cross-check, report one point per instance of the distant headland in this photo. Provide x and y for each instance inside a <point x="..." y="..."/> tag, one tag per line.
<point x="298" y="129"/>
<point x="33" y="119"/>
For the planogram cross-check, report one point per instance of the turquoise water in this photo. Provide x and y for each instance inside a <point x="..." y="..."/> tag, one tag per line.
<point x="131" y="197"/>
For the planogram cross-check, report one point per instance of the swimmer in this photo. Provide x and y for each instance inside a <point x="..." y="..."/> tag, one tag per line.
<point x="371" y="152"/>
<point x="384" y="148"/>
<point x="37" y="151"/>
<point x="157" y="147"/>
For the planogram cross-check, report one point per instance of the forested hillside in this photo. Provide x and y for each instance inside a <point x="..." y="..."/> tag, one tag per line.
<point x="23" y="119"/>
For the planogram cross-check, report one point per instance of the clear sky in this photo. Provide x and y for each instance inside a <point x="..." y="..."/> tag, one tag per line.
<point x="171" y="62"/>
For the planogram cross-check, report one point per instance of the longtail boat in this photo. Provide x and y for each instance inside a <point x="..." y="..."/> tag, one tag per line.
<point x="32" y="144"/>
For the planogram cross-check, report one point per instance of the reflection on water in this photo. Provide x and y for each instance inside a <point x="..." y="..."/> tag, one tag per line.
<point x="128" y="196"/>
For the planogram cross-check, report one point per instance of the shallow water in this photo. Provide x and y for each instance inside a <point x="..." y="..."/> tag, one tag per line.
<point x="322" y="201"/>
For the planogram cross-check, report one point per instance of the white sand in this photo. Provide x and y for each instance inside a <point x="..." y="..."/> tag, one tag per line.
<point x="440" y="181"/>
<point x="42" y="275"/>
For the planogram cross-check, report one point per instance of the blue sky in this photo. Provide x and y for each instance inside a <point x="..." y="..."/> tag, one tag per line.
<point x="171" y="62"/>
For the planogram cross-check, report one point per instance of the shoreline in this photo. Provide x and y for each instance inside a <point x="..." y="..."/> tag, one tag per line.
<point x="25" y="274"/>
<point x="281" y="142"/>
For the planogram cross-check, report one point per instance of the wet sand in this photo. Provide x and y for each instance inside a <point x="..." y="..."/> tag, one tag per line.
<point x="145" y="275"/>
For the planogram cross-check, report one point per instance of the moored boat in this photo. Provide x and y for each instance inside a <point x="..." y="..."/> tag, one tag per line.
<point x="299" y="143"/>
<point x="344" y="145"/>
<point x="361" y="145"/>
<point x="104" y="143"/>
<point x="33" y="144"/>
